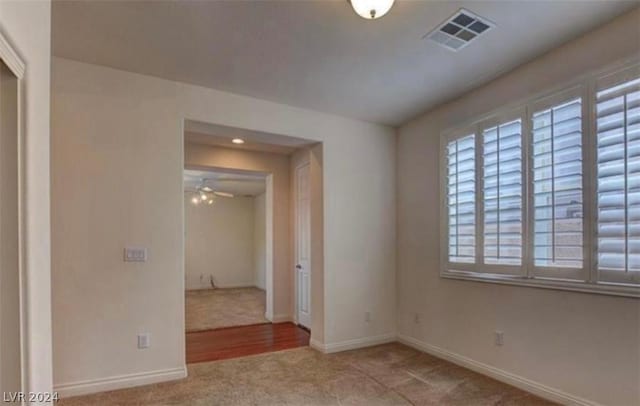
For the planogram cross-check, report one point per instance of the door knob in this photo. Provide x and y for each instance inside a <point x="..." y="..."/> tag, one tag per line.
<point x="298" y="266"/>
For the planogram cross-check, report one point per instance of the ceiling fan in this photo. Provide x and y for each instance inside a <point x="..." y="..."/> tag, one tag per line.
<point x="205" y="194"/>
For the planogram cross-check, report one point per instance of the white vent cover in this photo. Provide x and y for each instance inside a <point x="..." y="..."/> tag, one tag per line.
<point x="459" y="30"/>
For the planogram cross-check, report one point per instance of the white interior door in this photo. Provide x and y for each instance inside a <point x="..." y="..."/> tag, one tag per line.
<point x="303" y="246"/>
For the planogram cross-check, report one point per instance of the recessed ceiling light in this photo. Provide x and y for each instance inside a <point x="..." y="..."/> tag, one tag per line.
<point x="237" y="141"/>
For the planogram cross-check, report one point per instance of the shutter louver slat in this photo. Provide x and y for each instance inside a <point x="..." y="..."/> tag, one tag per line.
<point x="557" y="186"/>
<point x="461" y="199"/>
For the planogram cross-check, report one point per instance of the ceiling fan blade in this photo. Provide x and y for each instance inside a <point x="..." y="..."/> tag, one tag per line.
<point x="222" y="180"/>
<point x="223" y="194"/>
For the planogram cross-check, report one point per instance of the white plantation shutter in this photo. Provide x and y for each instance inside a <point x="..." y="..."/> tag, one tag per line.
<point x="502" y="194"/>
<point x="618" y="180"/>
<point x="461" y="199"/>
<point x="557" y="186"/>
<point x="547" y="194"/>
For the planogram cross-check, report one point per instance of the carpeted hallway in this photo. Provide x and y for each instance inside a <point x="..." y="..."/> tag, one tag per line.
<point x="215" y="308"/>
<point x="390" y="374"/>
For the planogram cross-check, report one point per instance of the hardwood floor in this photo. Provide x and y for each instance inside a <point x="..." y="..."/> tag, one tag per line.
<point x="236" y="342"/>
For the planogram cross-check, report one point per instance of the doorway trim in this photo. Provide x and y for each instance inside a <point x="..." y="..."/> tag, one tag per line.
<point x="16" y="65"/>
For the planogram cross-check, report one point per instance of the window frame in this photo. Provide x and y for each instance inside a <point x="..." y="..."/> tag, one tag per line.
<point x="587" y="279"/>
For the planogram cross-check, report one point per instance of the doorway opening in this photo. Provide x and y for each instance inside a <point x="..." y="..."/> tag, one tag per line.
<point x="225" y="249"/>
<point x="287" y="241"/>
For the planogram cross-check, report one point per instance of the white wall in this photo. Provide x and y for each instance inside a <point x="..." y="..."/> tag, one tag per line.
<point x="27" y="25"/>
<point x="117" y="165"/>
<point x="219" y="243"/>
<point x="259" y="241"/>
<point x="583" y="344"/>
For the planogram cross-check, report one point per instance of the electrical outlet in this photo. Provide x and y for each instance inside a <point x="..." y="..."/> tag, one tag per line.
<point x="144" y="341"/>
<point x="499" y="338"/>
<point x="367" y="317"/>
<point x="416" y="318"/>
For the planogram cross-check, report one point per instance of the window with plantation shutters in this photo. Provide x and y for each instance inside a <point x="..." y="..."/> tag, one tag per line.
<point x="502" y="193"/>
<point x="461" y="198"/>
<point x="618" y="178"/>
<point x="547" y="193"/>
<point x="557" y="185"/>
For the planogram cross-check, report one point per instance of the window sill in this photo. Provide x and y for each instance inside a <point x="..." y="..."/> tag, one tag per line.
<point x="599" y="288"/>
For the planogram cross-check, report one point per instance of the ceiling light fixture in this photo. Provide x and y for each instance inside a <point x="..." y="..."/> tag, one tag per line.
<point x="204" y="194"/>
<point x="237" y="141"/>
<point x="371" y="9"/>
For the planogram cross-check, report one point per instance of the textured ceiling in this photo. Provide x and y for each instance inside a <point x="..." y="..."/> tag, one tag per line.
<point x="319" y="54"/>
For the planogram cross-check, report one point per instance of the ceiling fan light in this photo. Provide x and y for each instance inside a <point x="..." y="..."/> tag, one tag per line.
<point x="371" y="9"/>
<point x="195" y="200"/>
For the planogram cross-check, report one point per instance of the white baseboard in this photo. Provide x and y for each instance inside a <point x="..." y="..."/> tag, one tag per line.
<point x="229" y="286"/>
<point x="118" y="382"/>
<point x="281" y="318"/>
<point x="525" y="384"/>
<point x="329" y="348"/>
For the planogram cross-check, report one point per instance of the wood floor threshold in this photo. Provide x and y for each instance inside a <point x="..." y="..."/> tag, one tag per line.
<point x="234" y="342"/>
<point x="225" y="328"/>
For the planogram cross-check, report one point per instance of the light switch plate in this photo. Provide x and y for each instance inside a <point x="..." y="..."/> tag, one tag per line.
<point x="144" y="340"/>
<point x="135" y="254"/>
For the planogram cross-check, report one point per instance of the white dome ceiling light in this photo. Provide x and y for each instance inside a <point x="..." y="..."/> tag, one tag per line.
<point x="371" y="9"/>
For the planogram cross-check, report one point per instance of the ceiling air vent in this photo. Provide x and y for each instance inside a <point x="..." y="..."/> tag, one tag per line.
<point x="459" y="30"/>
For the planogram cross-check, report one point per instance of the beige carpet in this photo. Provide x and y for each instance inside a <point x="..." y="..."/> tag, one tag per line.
<point x="214" y="308"/>
<point x="390" y="374"/>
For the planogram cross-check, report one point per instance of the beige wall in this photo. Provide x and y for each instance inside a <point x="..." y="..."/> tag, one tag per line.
<point x="117" y="180"/>
<point x="583" y="344"/>
<point x="219" y="243"/>
<point x="27" y="26"/>
<point x="259" y="241"/>
<point x="10" y="340"/>
<point x="318" y="293"/>
<point x="279" y="298"/>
